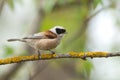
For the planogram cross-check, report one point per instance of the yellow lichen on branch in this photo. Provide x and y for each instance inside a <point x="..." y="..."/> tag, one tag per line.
<point x="57" y="56"/>
<point x="89" y="54"/>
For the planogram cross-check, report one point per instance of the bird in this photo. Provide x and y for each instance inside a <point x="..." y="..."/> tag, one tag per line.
<point x="46" y="40"/>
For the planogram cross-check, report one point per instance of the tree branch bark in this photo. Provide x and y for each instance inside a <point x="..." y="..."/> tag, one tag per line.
<point x="58" y="56"/>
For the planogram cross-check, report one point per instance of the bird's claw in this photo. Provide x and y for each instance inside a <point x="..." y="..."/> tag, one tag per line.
<point x="39" y="54"/>
<point x="52" y="51"/>
<point x="84" y="57"/>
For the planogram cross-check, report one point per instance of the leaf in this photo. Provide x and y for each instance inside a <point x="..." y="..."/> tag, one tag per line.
<point x="49" y="6"/>
<point x="8" y="50"/>
<point x="84" y="67"/>
<point x="96" y="2"/>
<point x="11" y="4"/>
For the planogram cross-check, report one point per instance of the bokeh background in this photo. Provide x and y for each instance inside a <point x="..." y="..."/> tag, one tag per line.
<point x="92" y="25"/>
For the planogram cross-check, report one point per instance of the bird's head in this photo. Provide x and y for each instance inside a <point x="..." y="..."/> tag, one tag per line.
<point x="58" y="30"/>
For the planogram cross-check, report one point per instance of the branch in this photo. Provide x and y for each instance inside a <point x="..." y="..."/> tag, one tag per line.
<point x="80" y="31"/>
<point x="57" y="56"/>
<point x="98" y="11"/>
<point x="85" y="22"/>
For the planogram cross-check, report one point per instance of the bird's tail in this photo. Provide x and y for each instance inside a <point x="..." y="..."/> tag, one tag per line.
<point x="10" y="40"/>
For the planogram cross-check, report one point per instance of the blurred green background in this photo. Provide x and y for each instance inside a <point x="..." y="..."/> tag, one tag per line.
<point x="92" y="25"/>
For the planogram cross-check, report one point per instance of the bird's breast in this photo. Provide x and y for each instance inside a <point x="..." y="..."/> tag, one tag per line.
<point x="45" y="44"/>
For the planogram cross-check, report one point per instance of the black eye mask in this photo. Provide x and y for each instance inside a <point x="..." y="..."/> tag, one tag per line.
<point x="60" y="31"/>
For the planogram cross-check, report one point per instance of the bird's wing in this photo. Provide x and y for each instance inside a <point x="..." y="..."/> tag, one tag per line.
<point x="50" y="35"/>
<point x="42" y="35"/>
<point x="36" y="36"/>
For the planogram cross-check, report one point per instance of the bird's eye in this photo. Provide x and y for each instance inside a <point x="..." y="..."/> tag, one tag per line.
<point x="60" y="31"/>
<point x="63" y="30"/>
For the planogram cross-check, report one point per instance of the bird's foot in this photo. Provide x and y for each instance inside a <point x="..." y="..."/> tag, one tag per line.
<point x="52" y="51"/>
<point x="39" y="55"/>
<point x="84" y="57"/>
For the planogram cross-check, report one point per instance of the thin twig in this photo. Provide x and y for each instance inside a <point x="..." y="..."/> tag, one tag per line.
<point x="98" y="11"/>
<point x="84" y="25"/>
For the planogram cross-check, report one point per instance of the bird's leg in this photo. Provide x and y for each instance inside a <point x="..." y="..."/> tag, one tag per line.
<point x="38" y="54"/>
<point x="84" y="56"/>
<point x="52" y="51"/>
